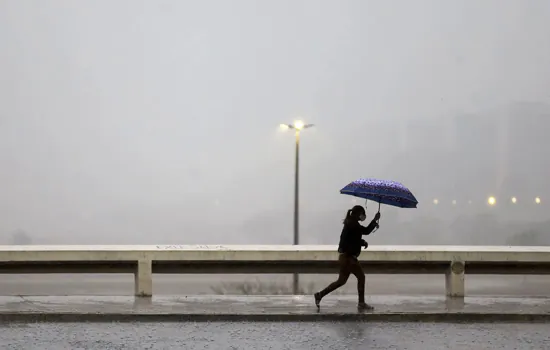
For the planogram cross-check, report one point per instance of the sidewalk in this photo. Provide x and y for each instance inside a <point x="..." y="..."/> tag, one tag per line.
<point x="269" y="308"/>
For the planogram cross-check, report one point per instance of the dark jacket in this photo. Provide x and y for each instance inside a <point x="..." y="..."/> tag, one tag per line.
<point x="351" y="239"/>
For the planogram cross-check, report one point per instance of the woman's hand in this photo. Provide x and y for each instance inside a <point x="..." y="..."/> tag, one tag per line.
<point x="377" y="216"/>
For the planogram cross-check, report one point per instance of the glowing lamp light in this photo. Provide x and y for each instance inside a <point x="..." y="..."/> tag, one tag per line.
<point x="514" y="200"/>
<point x="491" y="201"/>
<point x="298" y="125"/>
<point x="537" y="200"/>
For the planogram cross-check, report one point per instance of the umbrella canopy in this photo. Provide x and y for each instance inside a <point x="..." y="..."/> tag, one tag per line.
<point x="381" y="191"/>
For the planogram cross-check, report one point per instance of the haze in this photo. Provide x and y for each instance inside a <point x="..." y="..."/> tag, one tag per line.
<point x="156" y="122"/>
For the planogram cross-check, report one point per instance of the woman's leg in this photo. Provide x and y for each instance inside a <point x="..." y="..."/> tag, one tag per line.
<point x="357" y="270"/>
<point x="343" y="276"/>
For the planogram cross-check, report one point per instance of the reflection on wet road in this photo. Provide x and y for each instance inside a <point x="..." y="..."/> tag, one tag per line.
<point x="275" y="336"/>
<point x="85" y="284"/>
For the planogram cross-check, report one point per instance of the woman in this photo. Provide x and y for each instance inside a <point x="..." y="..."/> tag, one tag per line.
<point x="351" y="241"/>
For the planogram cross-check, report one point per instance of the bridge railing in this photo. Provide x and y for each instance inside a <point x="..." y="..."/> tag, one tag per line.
<point x="143" y="261"/>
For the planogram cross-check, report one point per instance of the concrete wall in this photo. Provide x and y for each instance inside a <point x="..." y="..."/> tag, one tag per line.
<point x="271" y="253"/>
<point x="453" y="261"/>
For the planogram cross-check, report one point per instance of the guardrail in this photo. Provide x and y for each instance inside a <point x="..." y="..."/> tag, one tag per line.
<point x="143" y="261"/>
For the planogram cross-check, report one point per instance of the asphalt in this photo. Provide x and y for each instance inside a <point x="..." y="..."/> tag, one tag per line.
<point x="274" y="336"/>
<point x="269" y="308"/>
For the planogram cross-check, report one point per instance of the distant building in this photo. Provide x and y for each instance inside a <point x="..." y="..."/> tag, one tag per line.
<point x="477" y="154"/>
<point x="424" y="162"/>
<point x="526" y="145"/>
<point x="429" y="135"/>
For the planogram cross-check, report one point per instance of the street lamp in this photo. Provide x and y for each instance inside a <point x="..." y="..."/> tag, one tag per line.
<point x="298" y="126"/>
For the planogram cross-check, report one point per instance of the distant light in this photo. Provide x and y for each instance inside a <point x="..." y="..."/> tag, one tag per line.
<point x="436" y="201"/>
<point x="469" y="202"/>
<point x="298" y="125"/>
<point x="491" y="201"/>
<point x="454" y="201"/>
<point x="514" y="200"/>
<point x="537" y="200"/>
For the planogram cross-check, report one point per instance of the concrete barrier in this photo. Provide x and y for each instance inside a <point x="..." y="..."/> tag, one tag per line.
<point x="452" y="261"/>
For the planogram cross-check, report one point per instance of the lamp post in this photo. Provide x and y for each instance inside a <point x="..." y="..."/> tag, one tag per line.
<point x="298" y="126"/>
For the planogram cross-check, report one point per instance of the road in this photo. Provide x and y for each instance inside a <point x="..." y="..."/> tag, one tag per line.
<point x="274" y="336"/>
<point x="528" y="286"/>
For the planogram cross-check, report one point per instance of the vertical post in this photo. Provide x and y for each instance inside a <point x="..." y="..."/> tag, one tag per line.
<point x="143" y="279"/>
<point x="296" y="282"/>
<point x="454" y="280"/>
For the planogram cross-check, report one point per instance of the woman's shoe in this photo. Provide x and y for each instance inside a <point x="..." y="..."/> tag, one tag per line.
<point x="364" y="307"/>
<point x="317" y="300"/>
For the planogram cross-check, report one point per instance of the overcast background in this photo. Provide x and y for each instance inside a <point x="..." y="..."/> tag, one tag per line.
<point x="157" y="121"/>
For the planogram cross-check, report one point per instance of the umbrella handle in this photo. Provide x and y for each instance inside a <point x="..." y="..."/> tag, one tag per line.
<point x="378" y="221"/>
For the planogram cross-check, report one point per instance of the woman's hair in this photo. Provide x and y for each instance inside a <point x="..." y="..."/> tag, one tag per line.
<point x="354" y="213"/>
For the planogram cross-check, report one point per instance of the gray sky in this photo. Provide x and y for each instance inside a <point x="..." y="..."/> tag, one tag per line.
<point x="160" y="117"/>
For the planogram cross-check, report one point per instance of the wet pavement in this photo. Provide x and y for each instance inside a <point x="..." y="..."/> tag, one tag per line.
<point x="273" y="336"/>
<point x="270" y="308"/>
<point x="123" y="284"/>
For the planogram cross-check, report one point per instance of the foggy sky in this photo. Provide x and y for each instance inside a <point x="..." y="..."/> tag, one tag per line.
<point x="159" y="119"/>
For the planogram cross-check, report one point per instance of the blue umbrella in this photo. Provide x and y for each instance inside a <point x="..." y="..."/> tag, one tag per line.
<point x="381" y="191"/>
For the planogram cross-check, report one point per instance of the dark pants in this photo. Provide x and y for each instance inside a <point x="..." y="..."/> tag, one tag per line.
<point x="348" y="265"/>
